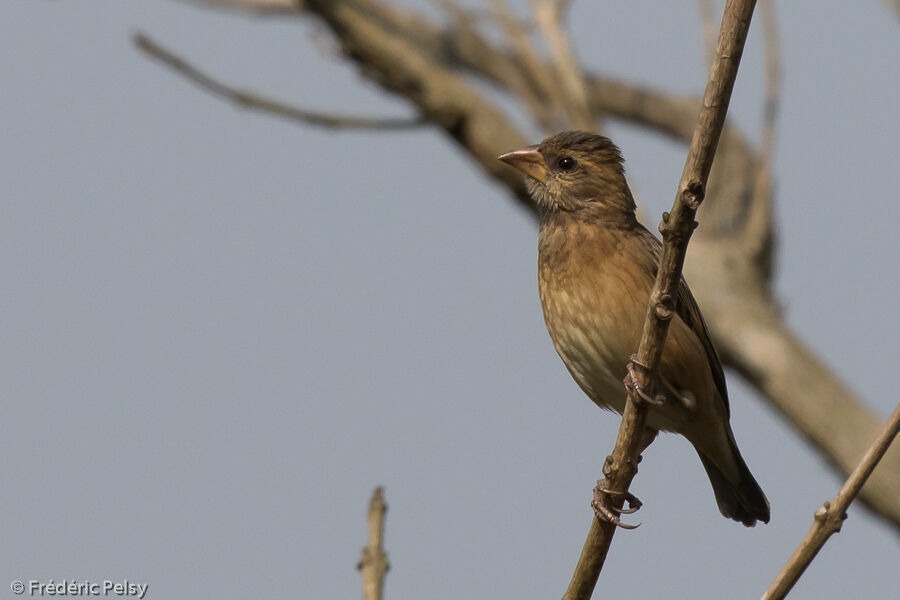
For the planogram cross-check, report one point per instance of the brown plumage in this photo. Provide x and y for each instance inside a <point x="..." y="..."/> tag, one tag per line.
<point x="596" y="268"/>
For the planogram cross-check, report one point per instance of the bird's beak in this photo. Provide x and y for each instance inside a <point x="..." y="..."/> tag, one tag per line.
<point x="529" y="160"/>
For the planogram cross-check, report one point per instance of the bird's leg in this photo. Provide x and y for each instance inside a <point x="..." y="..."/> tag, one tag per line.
<point x="631" y="383"/>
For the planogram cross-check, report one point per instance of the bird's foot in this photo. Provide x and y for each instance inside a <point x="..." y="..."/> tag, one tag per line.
<point x="632" y="385"/>
<point x="611" y="514"/>
<point x="686" y="401"/>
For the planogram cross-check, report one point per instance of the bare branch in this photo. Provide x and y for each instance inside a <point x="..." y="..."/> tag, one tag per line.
<point x="516" y="75"/>
<point x="550" y="16"/>
<point x="708" y="27"/>
<point x="729" y="280"/>
<point x="830" y="517"/>
<point x="754" y="339"/>
<point x="544" y="99"/>
<point x="259" y="7"/>
<point x="676" y="228"/>
<point x="385" y="53"/>
<point x="374" y="562"/>
<point x="251" y="100"/>
<point x="758" y="231"/>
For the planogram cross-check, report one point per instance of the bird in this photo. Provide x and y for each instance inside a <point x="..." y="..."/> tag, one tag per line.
<point x="596" y="269"/>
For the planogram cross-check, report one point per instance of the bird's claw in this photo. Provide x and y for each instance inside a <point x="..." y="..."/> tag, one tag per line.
<point x="611" y="514"/>
<point x="631" y="384"/>
<point x="687" y="401"/>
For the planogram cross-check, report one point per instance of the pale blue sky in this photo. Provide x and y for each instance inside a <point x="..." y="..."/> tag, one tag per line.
<point x="220" y="330"/>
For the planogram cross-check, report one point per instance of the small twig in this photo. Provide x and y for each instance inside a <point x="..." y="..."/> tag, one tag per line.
<point x="260" y="7"/>
<point x="374" y="562"/>
<point x="708" y="27"/>
<point x="757" y="231"/>
<point x="546" y="99"/>
<point x="251" y="100"/>
<point x="676" y="228"/>
<point x="550" y="17"/>
<point x="517" y="79"/>
<point x="458" y="12"/>
<point x="831" y="515"/>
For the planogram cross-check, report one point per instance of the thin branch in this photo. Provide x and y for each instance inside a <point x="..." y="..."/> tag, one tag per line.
<point x="708" y="27"/>
<point x="374" y="562"/>
<point x="829" y="518"/>
<point x="516" y="76"/>
<point x="548" y="97"/>
<point x="251" y="100"/>
<point x="550" y="17"/>
<point x="757" y="234"/>
<point x="676" y="228"/>
<point x="259" y="7"/>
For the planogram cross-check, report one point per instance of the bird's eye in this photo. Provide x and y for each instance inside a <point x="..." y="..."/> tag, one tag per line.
<point x="566" y="163"/>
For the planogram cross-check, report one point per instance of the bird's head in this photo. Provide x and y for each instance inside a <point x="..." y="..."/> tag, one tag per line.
<point x="573" y="170"/>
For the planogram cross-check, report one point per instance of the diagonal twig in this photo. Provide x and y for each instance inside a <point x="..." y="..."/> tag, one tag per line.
<point x="831" y="515"/>
<point x="251" y="100"/>
<point x="676" y="228"/>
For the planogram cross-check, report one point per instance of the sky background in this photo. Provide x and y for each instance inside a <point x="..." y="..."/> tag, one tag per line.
<point x="221" y="330"/>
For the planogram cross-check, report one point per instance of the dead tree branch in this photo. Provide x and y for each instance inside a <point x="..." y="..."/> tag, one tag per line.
<point x="254" y="101"/>
<point x="676" y="228"/>
<point x="374" y="562"/>
<point x="830" y="517"/>
<point x="730" y="264"/>
<point x="541" y="95"/>
<point x="258" y="7"/>
<point x="758" y="234"/>
<point x="708" y="28"/>
<point x="550" y="17"/>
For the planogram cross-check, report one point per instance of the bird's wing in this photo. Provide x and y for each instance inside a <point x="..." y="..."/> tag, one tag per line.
<point x="688" y="311"/>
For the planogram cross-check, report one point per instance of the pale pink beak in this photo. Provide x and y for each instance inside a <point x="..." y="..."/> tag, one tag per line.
<point x="529" y="160"/>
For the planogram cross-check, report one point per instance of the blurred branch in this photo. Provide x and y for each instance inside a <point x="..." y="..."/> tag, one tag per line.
<point x="385" y="54"/>
<point x="432" y="65"/>
<point x="543" y="96"/>
<point x="374" y="562"/>
<point x="550" y="17"/>
<point x="708" y="28"/>
<point x="894" y="4"/>
<point x="830" y="517"/>
<point x="676" y="228"/>
<point x="261" y="7"/>
<point x="251" y="100"/>
<point x="758" y="233"/>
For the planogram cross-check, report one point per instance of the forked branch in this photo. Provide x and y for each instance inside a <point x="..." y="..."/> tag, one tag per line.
<point x="676" y="228"/>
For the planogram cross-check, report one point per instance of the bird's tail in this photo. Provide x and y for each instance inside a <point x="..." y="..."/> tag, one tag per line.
<point x="740" y="499"/>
